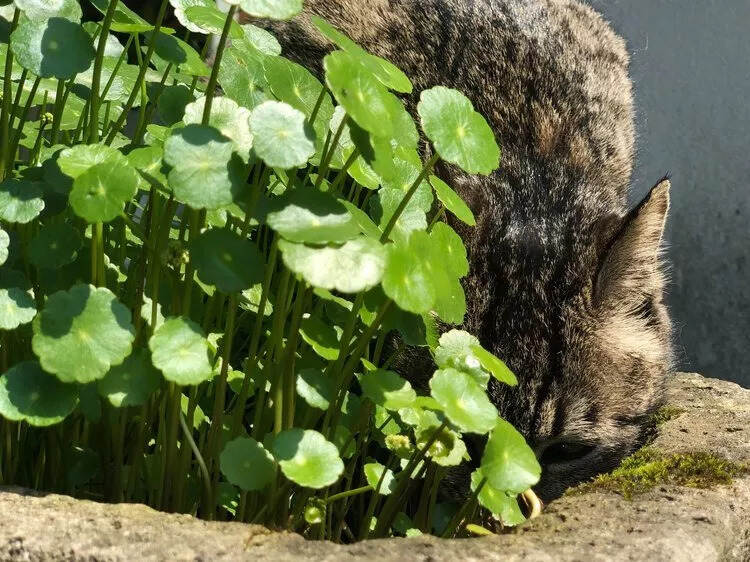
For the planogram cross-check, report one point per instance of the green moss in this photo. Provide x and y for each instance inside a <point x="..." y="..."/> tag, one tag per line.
<point x="664" y="414"/>
<point x="648" y="468"/>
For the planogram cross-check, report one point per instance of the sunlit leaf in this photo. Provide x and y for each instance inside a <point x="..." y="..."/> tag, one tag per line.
<point x="230" y="119"/>
<point x="463" y="400"/>
<point x="283" y="138"/>
<point x="274" y="9"/>
<point x="204" y="174"/>
<point x="387" y="389"/>
<point x="353" y="267"/>
<point x="508" y="462"/>
<point x="307" y="458"/>
<point x="181" y="352"/>
<point x="374" y="473"/>
<point x="461" y="135"/>
<point x="81" y="333"/>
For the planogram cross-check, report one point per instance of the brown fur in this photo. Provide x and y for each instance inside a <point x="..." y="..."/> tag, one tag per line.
<point x="565" y="285"/>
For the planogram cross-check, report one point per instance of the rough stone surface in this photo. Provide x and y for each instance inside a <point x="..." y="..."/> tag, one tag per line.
<point x="668" y="523"/>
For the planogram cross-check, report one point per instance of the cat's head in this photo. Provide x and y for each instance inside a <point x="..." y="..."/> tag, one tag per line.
<point x="588" y="336"/>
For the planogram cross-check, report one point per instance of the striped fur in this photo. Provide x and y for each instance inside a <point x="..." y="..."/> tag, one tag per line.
<point x="565" y="285"/>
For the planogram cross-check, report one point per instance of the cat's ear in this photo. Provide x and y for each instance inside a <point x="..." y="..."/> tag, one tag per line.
<point x="630" y="265"/>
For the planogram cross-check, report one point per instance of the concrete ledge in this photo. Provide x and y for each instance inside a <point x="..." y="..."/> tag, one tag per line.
<point x="667" y="523"/>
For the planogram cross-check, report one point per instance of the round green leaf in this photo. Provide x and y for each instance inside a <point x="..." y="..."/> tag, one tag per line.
<point x="247" y="464"/>
<point x="461" y="135"/>
<point x="4" y="244"/>
<point x="230" y="119"/>
<point x="125" y="19"/>
<point x="132" y="382"/>
<point x="508" y="462"/>
<point x="498" y="502"/>
<point x="295" y="85"/>
<point x="54" y="246"/>
<point x="264" y="41"/>
<point x="100" y="193"/>
<point x="241" y="75"/>
<point x="387" y="389"/>
<point x="273" y="9"/>
<point x="251" y="300"/>
<point x="307" y="458"/>
<point x="81" y="333"/>
<point x="283" y="138"/>
<point x="55" y="47"/>
<point x="181" y="352"/>
<point x="451" y="247"/>
<point x="354" y="267"/>
<point x="172" y="103"/>
<point x="38" y="10"/>
<point x="309" y="215"/>
<point x="456" y="351"/>
<point x="494" y="365"/>
<point x="209" y="19"/>
<point x="16" y="307"/>
<point x="78" y="159"/>
<point x="373" y="474"/>
<point x="226" y="260"/>
<point x="321" y="336"/>
<point x="315" y="388"/>
<point x="204" y="174"/>
<point x="463" y="400"/>
<point x="171" y="50"/>
<point x="180" y="9"/>
<point x="29" y="394"/>
<point x="363" y="97"/>
<point x="407" y="280"/>
<point x="452" y="201"/>
<point x="20" y="200"/>
<point x="385" y="71"/>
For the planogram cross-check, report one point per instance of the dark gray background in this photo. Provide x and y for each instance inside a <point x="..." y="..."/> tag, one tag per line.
<point x="690" y="62"/>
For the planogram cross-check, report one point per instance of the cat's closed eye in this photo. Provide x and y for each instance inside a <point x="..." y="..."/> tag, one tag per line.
<point x="564" y="452"/>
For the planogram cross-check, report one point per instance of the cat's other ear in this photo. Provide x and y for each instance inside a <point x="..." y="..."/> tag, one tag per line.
<point x="631" y="266"/>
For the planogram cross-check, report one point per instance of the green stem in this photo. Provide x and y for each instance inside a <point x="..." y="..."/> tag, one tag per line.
<point x="122" y="58"/>
<point x="57" y="112"/>
<point x="214" y="78"/>
<point x="349" y="493"/>
<point x="95" y="102"/>
<point x="459" y="516"/>
<point x="409" y="194"/>
<point x="329" y="153"/>
<point x="24" y="116"/>
<point x="252" y="356"/>
<point x="198" y="457"/>
<point x="19" y="93"/>
<point x="385" y="519"/>
<point x="220" y="390"/>
<point x="7" y="107"/>
<point x="141" y="75"/>
<point x="101" y="272"/>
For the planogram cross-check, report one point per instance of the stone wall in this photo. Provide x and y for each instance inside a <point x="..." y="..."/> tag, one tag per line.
<point x="710" y="419"/>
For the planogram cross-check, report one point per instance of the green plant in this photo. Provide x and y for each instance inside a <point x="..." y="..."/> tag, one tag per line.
<point x="194" y="314"/>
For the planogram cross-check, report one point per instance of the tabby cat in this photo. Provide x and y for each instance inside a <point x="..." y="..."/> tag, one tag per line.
<point x="566" y="284"/>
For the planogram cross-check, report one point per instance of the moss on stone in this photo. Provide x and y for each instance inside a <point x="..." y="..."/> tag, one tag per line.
<point x="648" y="468"/>
<point x="664" y="414"/>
